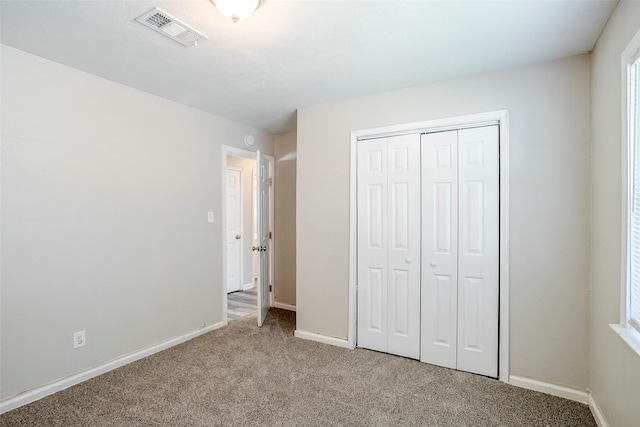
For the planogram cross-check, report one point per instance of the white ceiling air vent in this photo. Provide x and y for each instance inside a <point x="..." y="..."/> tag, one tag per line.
<point x="166" y="24"/>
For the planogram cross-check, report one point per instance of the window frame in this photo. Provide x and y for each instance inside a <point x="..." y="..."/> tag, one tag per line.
<point x="628" y="332"/>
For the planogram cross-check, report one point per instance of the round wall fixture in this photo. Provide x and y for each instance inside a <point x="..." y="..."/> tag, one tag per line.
<point x="249" y="140"/>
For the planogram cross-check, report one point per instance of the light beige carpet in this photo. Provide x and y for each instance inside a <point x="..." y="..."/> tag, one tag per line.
<point x="241" y="375"/>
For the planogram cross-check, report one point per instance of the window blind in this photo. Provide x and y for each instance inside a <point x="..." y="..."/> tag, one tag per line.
<point x="633" y="123"/>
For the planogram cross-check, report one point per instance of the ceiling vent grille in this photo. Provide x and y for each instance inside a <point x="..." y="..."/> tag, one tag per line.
<point x="169" y="26"/>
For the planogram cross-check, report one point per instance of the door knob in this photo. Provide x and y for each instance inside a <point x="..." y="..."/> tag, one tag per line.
<point x="433" y="264"/>
<point x="237" y="237"/>
<point x="407" y="260"/>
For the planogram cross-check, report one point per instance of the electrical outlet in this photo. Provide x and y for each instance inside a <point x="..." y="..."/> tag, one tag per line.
<point x="79" y="339"/>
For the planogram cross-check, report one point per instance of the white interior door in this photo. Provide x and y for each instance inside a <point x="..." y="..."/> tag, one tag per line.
<point x="439" y="322"/>
<point x="389" y="245"/>
<point x="460" y="250"/>
<point x="234" y="229"/>
<point x="372" y="244"/>
<point x="478" y="248"/>
<point x="264" y="182"/>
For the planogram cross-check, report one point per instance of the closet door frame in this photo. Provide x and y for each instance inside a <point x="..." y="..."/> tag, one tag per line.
<point x="499" y="117"/>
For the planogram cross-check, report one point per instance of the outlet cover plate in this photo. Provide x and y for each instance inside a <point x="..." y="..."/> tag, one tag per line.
<point x="79" y="339"/>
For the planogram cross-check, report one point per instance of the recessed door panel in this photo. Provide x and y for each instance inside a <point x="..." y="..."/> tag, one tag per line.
<point x="375" y="287"/>
<point x="400" y="158"/>
<point x="470" y="313"/>
<point x="472" y="214"/>
<point x="400" y="216"/>
<point x="445" y="333"/>
<point x="374" y="163"/>
<point x="399" y="318"/>
<point x="375" y="215"/>
<point x="443" y="232"/>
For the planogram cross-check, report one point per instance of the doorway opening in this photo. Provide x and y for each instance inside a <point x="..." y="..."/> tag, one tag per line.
<point x="247" y="217"/>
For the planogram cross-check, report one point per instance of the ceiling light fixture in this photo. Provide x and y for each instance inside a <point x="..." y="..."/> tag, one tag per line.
<point x="237" y="9"/>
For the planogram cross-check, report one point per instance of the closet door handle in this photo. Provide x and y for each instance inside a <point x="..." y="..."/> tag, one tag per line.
<point x="407" y="260"/>
<point x="433" y="264"/>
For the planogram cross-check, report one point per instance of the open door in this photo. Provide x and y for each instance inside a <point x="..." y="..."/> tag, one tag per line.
<point x="234" y="229"/>
<point x="264" y="181"/>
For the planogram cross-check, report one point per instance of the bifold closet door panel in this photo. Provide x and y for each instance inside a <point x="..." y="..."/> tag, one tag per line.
<point x="439" y="248"/>
<point x="372" y="244"/>
<point x="478" y="249"/>
<point x="460" y="241"/>
<point x="404" y="246"/>
<point x="389" y="245"/>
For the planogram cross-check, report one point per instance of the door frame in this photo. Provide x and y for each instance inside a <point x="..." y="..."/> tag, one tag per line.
<point x="237" y="169"/>
<point x="500" y="117"/>
<point x="247" y="154"/>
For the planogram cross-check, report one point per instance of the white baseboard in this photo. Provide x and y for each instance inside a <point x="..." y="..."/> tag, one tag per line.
<point x="247" y="286"/>
<point x="63" y="383"/>
<point x="325" y="339"/>
<point x="597" y="412"/>
<point x="571" y="393"/>
<point x="283" y="306"/>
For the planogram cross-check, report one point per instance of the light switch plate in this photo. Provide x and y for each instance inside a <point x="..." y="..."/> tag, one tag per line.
<point x="210" y="217"/>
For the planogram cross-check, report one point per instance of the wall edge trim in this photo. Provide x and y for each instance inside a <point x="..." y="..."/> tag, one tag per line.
<point x="567" y="392"/>
<point x="283" y="306"/>
<point x="597" y="413"/>
<point x="325" y="339"/>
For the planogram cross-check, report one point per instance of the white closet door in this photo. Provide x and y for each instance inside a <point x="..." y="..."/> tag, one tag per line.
<point x="439" y="249"/>
<point x="372" y="244"/>
<point x="404" y="246"/>
<point x="478" y="250"/>
<point x="460" y="250"/>
<point x="389" y="245"/>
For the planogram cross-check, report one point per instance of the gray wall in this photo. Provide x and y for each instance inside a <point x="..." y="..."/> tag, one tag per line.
<point x="248" y="166"/>
<point x="105" y="193"/>
<point x="285" y="219"/>
<point x="615" y="369"/>
<point x="549" y="107"/>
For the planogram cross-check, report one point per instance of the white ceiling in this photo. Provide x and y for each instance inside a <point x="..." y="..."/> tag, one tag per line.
<point x="294" y="53"/>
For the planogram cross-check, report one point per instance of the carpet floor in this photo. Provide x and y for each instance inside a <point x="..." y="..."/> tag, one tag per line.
<point x="242" y="375"/>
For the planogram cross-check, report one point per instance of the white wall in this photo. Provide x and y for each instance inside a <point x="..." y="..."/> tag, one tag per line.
<point x="285" y="219"/>
<point x="248" y="166"/>
<point x="105" y="193"/>
<point x="615" y="369"/>
<point x="549" y="107"/>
